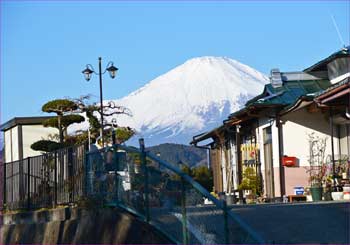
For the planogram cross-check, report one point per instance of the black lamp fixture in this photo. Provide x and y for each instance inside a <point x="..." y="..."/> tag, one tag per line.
<point x="112" y="70"/>
<point x="88" y="71"/>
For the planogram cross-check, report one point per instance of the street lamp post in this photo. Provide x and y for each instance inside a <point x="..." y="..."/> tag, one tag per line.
<point x="112" y="70"/>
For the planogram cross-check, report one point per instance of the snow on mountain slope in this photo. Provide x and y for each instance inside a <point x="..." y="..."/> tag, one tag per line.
<point x="190" y="99"/>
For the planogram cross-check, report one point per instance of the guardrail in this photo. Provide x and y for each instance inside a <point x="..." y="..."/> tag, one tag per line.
<point x="162" y="195"/>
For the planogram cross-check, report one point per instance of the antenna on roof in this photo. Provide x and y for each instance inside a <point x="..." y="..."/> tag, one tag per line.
<point x="337" y="29"/>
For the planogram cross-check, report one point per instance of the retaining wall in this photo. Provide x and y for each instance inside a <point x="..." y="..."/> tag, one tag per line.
<point x="77" y="226"/>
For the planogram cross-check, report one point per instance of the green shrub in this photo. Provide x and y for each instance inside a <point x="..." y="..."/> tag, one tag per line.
<point x="59" y="106"/>
<point x="47" y="145"/>
<point x="65" y="121"/>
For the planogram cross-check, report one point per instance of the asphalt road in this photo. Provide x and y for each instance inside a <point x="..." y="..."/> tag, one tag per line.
<point x="322" y="222"/>
<point x="296" y="223"/>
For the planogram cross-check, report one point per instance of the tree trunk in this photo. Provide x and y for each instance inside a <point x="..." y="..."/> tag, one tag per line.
<point x="59" y="118"/>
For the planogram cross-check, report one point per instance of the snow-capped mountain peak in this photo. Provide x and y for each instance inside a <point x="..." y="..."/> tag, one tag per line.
<point x="191" y="98"/>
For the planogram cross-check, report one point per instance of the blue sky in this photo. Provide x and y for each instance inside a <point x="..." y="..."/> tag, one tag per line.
<point x="45" y="45"/>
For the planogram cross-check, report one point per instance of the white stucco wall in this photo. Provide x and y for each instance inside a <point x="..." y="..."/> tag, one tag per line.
<point x="344" y="139"/>
<point x="296" y="128"/>
<point x="224" y="169"/>
<point x="11" y="144"/>
<point x="233" y="153"/>
<point x="15" y="145"/>
<point x="297" y="125"/>
<point x="33" y="133"/>
<point x="264" y="123"/>
<point x="8" y="146"/>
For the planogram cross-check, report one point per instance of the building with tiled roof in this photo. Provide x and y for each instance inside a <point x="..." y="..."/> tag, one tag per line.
<point x="277" y="123"/>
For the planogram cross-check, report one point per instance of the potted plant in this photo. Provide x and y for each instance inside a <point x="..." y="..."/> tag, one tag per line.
<point x="316" y="181"/>
<point x="307" y="194"/>
<point x="318" y="168"/>
<point x="340" y="167"/>
<point x="250" y="184"/>
<point x="337" y="193"/>
<point x="346" y="192"/>
<point x="328" y="188"/>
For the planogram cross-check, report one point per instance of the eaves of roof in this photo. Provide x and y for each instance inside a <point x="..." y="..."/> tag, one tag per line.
<point x="296" y="104"/>
<point x="246" y="113"/>
<point x="344" y="52"/>
<point x="205" y="135"/>
<point x="23" y="121"/>
<point x="282" y="98"/>
<point x="333" y="89"/>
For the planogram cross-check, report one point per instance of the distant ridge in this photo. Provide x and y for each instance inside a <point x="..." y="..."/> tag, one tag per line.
<point x="177" y="154"/>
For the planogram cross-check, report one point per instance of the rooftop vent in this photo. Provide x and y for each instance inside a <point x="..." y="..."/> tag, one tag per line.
<point x="276" y="78"/>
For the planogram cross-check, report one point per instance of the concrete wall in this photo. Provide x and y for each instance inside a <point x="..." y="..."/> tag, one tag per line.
<point x="77" y="226"/>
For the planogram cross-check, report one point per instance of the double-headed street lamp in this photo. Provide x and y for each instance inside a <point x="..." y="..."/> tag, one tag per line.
<point x="112" y="70"/>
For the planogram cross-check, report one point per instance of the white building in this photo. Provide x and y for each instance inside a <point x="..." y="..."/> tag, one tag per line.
<point x="277" y="123"/>
<point x="20" y="133"/>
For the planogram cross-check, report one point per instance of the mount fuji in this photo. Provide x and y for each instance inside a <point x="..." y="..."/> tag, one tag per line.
<point x="190" y="99"/>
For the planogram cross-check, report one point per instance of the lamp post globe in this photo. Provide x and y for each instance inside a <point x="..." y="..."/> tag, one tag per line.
<point x="87" y="73"/>
<point x="112" y="70"/>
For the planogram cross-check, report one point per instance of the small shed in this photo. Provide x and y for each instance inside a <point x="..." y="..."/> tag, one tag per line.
<point x="20" y="133"/>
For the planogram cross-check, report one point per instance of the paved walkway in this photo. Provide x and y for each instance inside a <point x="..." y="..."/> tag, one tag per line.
<point x="322" y="222"/>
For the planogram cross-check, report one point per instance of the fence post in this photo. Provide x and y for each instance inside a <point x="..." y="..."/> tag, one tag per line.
<point x="116" y="159"/>
<point x="90" y="173"/>
<point x="145" y="171"/>
<point x="86" y="172"/>
<point x="28" y="183"/>
<point x="55" y="179"/>
<point x="70" y="175"/>
<point x="4" y="186"/>
<point x="183" y="211"/>
<point x="21" y="180"/>
<point x="113" y="137"/>
<point x="226" y="231"/>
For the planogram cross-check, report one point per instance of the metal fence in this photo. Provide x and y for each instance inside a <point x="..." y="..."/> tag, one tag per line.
<point x="129" y="178"/>
<point x="46" y="180"/>
<point x="163" y="196"/>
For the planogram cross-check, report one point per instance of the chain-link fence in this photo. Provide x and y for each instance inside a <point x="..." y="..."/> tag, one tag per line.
<point x="163" y="196"/>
